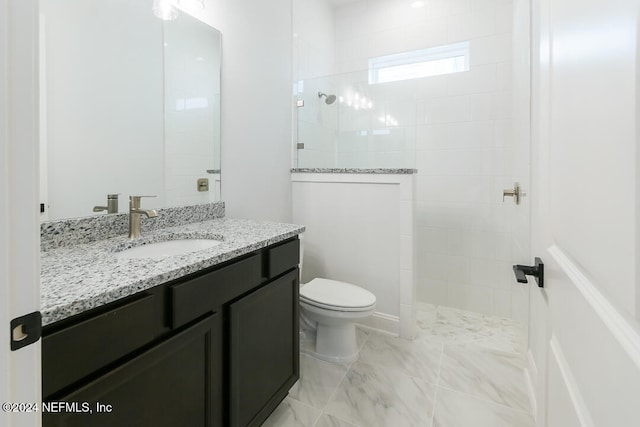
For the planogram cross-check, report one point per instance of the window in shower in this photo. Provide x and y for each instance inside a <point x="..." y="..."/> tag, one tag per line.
<point x="434" y="61"/>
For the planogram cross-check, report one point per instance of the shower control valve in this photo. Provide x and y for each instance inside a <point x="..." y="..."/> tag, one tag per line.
<point x="516" y="193"/>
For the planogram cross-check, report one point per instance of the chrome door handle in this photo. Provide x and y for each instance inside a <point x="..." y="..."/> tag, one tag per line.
<point x="515" y="193"/>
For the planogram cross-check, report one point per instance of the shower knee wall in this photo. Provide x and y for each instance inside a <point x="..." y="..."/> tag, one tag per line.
<point x="359" y="229"/>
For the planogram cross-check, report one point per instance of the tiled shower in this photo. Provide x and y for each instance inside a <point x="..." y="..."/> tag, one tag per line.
<point x="456" y="129"/>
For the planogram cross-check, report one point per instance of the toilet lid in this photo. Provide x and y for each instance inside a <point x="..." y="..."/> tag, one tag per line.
<point x="332" y="294"/>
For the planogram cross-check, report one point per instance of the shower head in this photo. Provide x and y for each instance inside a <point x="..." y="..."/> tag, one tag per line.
<point x="330" y="99"/>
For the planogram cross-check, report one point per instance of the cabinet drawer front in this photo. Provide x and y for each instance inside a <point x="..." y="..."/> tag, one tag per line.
<point x="205" y="293"/>
<point x="74" y="352"/>
<point x="282" y="258"/>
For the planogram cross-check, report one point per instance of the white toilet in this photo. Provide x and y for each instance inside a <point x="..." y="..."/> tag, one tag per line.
<point x="334" y="307"/>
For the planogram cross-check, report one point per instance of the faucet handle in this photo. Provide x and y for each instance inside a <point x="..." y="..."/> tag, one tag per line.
<point x="134" y="201"/>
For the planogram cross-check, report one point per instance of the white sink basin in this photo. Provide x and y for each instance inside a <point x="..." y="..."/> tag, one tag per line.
<point x="167" y="248"/>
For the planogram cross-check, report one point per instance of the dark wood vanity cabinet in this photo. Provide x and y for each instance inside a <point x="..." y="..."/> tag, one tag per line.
<point x="263" y="350"/>
<point x="216" y="348"/>
<point x="175" y="383"/>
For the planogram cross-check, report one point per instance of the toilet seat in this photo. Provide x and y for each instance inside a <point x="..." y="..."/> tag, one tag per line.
<point x="337" y="296"/>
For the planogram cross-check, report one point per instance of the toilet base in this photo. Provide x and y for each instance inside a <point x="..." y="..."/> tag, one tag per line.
<point x="335" y="332"/>
<point x="336" y="343"/>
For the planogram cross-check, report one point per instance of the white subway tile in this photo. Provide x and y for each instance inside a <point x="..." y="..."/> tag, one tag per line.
<point x="458" y="269"/>
<point x="481" y="107"/>
<point x="432" y="291"/>
<point x="407" y="191"/>
<point x="426" y="34"/>
<point x="504" y="133"/>
<point x="386" y="42"/>
<point x="432" y="266"/>
<point x="491" y="273"/>
<point x="459" y="242"/>
<point x="454" y="7"/>
<point x="491" y="49"/>
<point x="431" y="240"/>
<point x="448" y="110"/>
<point x="407" y="286"/>
<point x="471" y="25"/>
<point x="406" y="252"/>
<point x="479" y="79"/>
<point x="502" y="105"/>
<point x="431" y="87"/>
<point x="504" y="18"/>
<point x="407" y="321"/>
<point x="477" y="134"/>
<point x="503" y="305"/>
<point x="471" y="298"/>
<point x="406" y="217"/>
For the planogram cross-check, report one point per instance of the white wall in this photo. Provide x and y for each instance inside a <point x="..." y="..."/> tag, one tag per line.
<point x="256" y="105"/>
<point x="464" y="131"/>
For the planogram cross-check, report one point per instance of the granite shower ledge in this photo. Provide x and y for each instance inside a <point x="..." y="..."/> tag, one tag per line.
<point x="381" y="171"/>
<point x="78" y="278"/>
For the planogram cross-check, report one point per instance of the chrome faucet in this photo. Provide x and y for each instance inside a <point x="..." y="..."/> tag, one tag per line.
<point x="112" y="204"/>
<point x="134" y="215"/>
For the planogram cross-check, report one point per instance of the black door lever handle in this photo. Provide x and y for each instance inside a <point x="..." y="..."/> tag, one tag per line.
<point x="537" y="271"/>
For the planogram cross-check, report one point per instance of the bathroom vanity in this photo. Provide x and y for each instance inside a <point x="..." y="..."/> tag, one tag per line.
<point x="214" y="345"/>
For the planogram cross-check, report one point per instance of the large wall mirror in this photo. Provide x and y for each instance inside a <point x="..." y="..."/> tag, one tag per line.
<point x="130" y="105"/>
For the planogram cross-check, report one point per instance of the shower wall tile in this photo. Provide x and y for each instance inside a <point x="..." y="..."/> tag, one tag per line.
<point x="504" y="133"/>
<point x="504" y="18"/>
<point x="480" y="79"/>
<point x="407" y="287"/>
<point x="448" y="110"/>
<point x="472" y="298"/>
<point x="457" y="130"/>
<point x="434" y="291"/>
<point x="471" y="25"/>
<point x="426" y="34"/>
<point x="491" y="49"/>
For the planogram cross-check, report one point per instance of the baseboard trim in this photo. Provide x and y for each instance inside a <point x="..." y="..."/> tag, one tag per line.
<point x="382" y="322"/>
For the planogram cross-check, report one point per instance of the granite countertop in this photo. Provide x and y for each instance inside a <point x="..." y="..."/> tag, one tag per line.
<point x="382" y="171"/>
<point x="81" y="277"/>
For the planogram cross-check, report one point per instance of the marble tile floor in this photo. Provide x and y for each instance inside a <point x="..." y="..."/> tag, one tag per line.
<point x="463" y="369"/>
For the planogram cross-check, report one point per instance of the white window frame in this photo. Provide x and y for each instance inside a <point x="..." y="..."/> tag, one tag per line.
<point x="405" y="60"/>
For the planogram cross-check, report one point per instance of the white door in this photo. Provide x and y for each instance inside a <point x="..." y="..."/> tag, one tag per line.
<point x="585" y="334"/>
<point x="19" y="213"/>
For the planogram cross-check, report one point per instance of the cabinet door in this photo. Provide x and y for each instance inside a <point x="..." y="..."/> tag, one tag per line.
<point x="175" y="383"/>
<point x="264" y="350"/>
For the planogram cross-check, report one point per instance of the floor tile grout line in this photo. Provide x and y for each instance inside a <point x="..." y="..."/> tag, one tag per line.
<point x="482" y="399"/>
<point x="335" y="390"/>
<point x="435" y="393"/>
<point x="475" y="344"/>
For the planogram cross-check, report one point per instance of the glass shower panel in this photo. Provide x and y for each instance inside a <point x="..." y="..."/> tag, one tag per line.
<point x="346" y="122"/>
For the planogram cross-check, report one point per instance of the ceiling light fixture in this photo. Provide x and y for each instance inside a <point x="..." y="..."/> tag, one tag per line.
<point x="165" y="9"/>
<point x="168" y="10"/>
